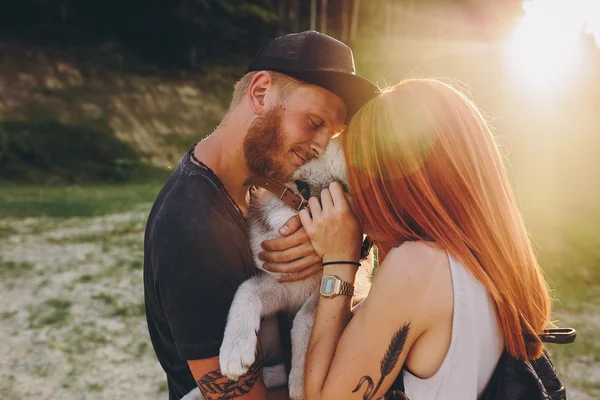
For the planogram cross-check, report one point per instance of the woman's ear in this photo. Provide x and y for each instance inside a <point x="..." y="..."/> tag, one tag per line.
<point x="257" y="92"/>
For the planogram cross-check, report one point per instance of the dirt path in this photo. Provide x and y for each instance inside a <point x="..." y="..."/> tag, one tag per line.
<point x="72" y="320"/>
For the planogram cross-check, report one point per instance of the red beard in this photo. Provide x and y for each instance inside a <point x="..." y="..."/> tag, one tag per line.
<point x="264" y="146"/>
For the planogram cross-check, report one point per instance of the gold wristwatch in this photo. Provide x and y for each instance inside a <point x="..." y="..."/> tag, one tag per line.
<point x="332" y="286"/>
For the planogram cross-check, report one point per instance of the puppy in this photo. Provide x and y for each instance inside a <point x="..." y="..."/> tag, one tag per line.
<point x="263" y="295"/>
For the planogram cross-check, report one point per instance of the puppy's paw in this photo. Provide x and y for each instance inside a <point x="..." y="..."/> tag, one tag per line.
<point x="296" y="384"/>
<point x="237" y="354"/>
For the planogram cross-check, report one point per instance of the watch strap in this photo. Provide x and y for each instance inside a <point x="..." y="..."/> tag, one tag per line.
<point x="346" y="289"/>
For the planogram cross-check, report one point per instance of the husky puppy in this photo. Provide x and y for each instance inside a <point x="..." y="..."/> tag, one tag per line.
<point x="263" y="295"/>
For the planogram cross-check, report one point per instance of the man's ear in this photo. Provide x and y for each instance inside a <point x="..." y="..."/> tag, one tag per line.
<point x="259" y="86"/>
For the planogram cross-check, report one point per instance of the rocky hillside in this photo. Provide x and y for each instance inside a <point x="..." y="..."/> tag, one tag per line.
<point x="159" y="114"/>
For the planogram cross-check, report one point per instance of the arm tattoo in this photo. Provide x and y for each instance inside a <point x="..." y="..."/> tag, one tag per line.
<point x="389" y="361"/>
<point x="215" y="386"/>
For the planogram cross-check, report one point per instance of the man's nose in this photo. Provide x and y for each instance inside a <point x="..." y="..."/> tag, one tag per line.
<point x="319" y="143"/>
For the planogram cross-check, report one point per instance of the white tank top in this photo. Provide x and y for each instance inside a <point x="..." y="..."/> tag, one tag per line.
<point x="475" y="347"/>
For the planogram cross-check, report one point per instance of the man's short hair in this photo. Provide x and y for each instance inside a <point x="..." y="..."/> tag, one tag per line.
<point x="284" y="82"/>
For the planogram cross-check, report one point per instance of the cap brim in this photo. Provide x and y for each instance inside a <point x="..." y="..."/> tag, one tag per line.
<point x="353" y="90"/>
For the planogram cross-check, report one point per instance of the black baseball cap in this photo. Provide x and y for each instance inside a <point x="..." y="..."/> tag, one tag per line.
<point x="319" y="59"/>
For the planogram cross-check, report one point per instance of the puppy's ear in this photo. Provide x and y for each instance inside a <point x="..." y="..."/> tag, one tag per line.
<point x="260" y="86"/>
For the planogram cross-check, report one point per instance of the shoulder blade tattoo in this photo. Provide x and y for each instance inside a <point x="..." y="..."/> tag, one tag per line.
<point x="215" y="386"/>
<point x="389" y="361"/>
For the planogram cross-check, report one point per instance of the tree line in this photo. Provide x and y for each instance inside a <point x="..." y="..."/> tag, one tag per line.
<point x="186" y="33"/>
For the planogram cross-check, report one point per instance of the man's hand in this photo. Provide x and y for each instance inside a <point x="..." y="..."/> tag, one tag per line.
<point x="291" y="254"/>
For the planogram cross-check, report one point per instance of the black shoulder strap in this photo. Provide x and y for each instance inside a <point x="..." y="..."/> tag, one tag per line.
<point x="556" y="335"/>
<point x="285" y="337"/>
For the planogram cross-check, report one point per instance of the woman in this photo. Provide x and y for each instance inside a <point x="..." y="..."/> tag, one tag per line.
<point x="458" y="281"/>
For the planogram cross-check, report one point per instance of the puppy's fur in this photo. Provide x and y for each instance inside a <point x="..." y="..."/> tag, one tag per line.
<point x="263" y="296"/>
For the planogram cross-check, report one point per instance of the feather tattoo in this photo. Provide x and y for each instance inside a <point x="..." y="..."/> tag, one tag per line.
<point x="394" y="350"/>
<point x="389" y="361"/>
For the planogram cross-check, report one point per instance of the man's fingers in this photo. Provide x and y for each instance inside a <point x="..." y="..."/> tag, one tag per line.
<point x="305" y="217"/>
<point x="286" y="242"/>
<point x="315" y="207"/>
<point x="305" y="273"/>
<point x="326" y="200"/>
<point x="291" y="226"/>
<point x="293" y="266"/>
<point x="283" y="256"/>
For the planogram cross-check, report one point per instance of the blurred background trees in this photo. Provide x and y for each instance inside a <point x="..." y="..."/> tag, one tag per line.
<point x="105" y="65"/>
<point x="185" y="33"/>
<point x="169" y="33"/>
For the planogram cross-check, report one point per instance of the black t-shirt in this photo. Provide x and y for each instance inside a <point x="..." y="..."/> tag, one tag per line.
<point x="196" y="254"/>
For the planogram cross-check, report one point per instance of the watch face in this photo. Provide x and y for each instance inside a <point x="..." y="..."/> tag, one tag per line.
<point x="328" y="285"/>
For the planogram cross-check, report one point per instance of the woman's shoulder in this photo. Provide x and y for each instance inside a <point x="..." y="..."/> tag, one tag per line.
<point x="416" y="271"/>
<point x="418" y="257"/>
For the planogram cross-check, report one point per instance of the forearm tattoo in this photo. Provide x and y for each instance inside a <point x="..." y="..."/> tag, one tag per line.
<point x="215" y="386"/>
<point x="389" y="361"/>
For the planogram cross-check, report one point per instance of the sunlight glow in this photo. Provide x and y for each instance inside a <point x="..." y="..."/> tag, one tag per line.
<point x="545" y="48"/>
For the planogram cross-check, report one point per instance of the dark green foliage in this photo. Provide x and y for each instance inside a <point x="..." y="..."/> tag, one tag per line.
<point x="166" y="32"/>
<point x="51" y="151"/>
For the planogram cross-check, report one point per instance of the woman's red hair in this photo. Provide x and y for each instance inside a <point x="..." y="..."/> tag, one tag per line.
<point x="424" y="165"/>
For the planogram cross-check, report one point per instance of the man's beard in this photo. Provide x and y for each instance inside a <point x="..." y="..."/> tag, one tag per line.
<point x="264" y="146"/>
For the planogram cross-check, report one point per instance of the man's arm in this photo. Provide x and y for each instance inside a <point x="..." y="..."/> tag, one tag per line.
<point x="250" y="386"/>
<point x="198" y="272"/>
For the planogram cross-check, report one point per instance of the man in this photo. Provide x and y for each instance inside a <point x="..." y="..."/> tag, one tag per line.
<point x="299" y="90"/>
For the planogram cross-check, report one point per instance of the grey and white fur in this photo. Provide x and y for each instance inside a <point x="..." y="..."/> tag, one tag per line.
<point x="264" y="296"/>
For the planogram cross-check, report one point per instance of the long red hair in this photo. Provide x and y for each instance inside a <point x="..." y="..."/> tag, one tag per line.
<point x="424" y="165"/>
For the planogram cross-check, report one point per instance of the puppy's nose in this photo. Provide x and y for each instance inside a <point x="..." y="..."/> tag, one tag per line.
<point x="303" y="189"/>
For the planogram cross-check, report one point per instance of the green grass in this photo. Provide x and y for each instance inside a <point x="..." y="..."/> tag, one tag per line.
<point x="142" y="348"/>
<point x="135" y="264"/>
<point x="113" y="235"/>
<point x="6" y="231"/>
<point x="86" y="278"/>
<point x="14" y="269"/>
<point x="85" y="337"/>
<point x="53" y="311"/>
<point x="8" y="314"/>
<point x="115" y="309"/>
<point x="567" y="243"/>
<point x="95" y="387"/>
<point x="42" y="370"/>
<point x="106" y="299"/>
<point x="162" y="387"/>
<point x="22" y="201"/>
<point x="131" y="310"/>
<point x="568" y="248"/>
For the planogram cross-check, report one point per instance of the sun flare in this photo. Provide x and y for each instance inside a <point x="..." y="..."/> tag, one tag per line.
<point x="545" y="47"/>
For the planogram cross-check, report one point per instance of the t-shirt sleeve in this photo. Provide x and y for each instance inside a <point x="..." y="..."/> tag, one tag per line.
<point x="200" y="263"/>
